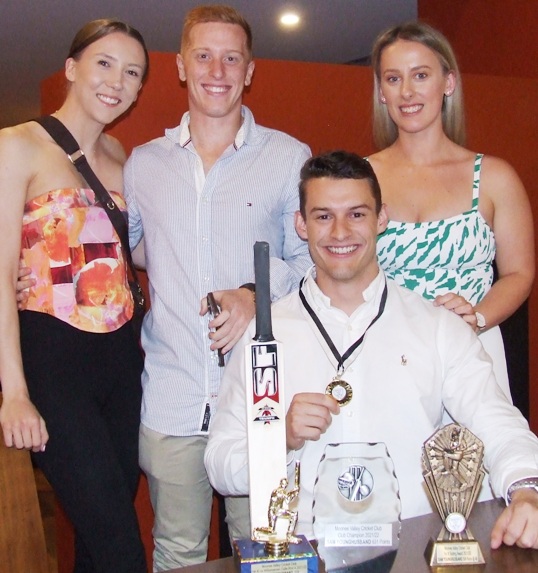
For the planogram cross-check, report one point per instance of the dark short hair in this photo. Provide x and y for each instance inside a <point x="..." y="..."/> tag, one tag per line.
<point x="338" y="165"/>
<point x="214" y="13"/>
<point x="97" y="29"/>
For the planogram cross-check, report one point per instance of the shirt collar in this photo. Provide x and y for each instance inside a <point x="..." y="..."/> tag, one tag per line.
<point x="318" y="300"/>
<point x="246" y="133"/>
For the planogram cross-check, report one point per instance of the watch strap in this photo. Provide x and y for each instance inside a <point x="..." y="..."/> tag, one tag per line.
<point x="527" y="483"/>
<point x="252" y="288"/>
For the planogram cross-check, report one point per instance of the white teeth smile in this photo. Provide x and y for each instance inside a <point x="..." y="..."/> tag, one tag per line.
<point x="216" y="89"/>
<point x="108" y="100"/>
<point x="411" y="109"/>
<point x="342" y="250"/>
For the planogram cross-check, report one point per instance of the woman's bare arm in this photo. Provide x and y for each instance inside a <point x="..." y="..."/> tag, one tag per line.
<point x="22" y="425"/>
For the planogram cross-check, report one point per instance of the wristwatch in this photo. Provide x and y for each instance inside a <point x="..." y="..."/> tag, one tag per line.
<point x="252" y="288"/>
<point x="527" y="483"/>
<point x="480" y="321"/>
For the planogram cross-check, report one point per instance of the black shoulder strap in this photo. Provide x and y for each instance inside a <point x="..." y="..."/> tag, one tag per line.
<point x="68" y="143"/>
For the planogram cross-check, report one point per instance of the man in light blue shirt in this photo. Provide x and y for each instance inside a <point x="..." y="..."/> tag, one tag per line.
<point x="201" y="196"/>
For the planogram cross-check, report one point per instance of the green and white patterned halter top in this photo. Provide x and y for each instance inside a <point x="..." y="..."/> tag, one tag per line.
<point x="436" y="257"/>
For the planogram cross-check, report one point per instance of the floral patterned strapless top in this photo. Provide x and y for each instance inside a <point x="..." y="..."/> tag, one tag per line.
<point x="436" y="257"/>
<point x="77" y="260"/>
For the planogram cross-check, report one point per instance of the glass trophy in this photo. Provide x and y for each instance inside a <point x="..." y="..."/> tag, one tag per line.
<point x="356" y="508"/>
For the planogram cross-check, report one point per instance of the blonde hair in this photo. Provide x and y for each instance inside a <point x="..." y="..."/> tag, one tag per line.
<point x="214" y="13"/>
<point x="385" y="130"/>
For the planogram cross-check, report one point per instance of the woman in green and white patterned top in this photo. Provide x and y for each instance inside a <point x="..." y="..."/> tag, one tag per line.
<point x="452" y="211"/>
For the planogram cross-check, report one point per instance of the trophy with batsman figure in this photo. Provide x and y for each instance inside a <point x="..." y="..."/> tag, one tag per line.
<point x="281" y="519"/>
<point x="274" y="547"/>
<point x="453" y="471"/>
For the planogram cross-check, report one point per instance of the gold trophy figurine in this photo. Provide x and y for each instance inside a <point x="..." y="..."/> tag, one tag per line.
<point x="281" y="519"/>
<point x="453" y="472"/>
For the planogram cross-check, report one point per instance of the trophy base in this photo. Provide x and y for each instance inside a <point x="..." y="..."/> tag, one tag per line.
<point x="251" y="557"/>
<point x="454" y="552"/>
<point x="277" y="549"/>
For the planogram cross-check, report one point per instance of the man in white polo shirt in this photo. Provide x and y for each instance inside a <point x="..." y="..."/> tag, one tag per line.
<point x="395" y="358"/>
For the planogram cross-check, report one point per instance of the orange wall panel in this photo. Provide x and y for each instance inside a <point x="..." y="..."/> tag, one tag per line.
<point x="496" y="37"/>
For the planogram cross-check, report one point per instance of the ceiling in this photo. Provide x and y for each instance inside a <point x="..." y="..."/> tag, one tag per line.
<point x="35" y="35"/>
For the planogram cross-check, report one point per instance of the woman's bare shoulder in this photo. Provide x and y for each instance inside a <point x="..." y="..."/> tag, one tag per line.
<point x="20" y="145"/>
<point x="497" y="165"/>
<point x="24" y="135"/>
<point x="498" y="178"/>
<point x="380" y="157"/>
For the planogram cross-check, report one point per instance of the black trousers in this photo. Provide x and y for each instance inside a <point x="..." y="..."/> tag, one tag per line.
<point x="87" y="388"/>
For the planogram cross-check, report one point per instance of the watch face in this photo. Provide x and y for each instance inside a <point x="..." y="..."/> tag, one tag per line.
<point x="480" y="320"/>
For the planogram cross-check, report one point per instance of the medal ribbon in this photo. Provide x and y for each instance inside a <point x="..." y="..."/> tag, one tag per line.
<point x="341" y="358"/>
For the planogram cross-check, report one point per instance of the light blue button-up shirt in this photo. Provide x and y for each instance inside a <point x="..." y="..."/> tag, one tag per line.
<point x="199" y="231"/>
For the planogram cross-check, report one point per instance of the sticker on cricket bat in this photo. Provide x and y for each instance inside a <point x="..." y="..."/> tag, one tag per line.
<point x="265" y="382"/>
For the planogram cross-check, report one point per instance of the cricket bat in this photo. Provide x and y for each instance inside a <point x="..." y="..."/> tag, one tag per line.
<point x="266" y="409"/>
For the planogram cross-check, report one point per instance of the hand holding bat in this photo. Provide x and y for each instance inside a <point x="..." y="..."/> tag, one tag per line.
<point x="215" y="311"/>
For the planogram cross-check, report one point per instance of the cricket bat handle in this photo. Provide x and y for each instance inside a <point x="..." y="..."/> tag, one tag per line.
<point x="264" y="329"/>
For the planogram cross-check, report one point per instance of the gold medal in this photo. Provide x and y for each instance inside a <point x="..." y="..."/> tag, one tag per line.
<point x="340" y="390"/>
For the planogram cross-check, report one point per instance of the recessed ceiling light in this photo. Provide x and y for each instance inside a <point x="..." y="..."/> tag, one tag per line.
<point x="289" y="19"/>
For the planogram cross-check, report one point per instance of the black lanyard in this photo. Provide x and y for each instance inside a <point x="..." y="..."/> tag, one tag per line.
<point x="341" y="358"/>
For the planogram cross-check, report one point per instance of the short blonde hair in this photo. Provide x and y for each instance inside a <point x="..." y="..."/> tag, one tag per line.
<point x="214" y="13"/>
<point x="385" y="130"/>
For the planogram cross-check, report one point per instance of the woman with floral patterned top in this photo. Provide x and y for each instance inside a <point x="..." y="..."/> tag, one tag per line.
<point x="69" y="364"/>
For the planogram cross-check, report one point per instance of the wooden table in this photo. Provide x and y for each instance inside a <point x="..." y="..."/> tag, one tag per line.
<point x="414" y="537"/>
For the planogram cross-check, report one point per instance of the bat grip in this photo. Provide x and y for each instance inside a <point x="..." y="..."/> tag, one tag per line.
<point x="264" y="330"/>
